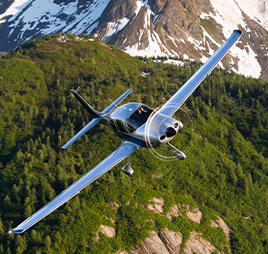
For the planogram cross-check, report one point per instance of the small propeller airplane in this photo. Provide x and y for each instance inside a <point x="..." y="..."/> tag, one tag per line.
<point x="137" y="125"/>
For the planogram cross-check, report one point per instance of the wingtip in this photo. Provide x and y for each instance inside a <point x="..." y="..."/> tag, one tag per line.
<point x="238" y="31"/>
<point x="130" y="90"/>
<point x="16" y="231"/>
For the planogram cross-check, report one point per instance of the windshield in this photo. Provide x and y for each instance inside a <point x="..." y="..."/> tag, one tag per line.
<point x="138" y="118"/>
<point x="119" y="125"/>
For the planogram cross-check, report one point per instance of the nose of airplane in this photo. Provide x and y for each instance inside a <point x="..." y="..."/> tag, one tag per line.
<point x="170" y="132"/>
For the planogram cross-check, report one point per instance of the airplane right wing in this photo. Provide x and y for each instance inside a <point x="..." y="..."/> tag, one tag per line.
<point x="174" y="103"/>
<point x="113" y="159"/>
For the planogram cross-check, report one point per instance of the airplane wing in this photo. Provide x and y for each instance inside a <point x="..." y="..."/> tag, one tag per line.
<point x="174" y="103"/>
<point x="113" y="159"/>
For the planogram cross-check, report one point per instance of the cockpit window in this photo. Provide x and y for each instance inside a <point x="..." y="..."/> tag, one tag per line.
<point x="138" y="118"/>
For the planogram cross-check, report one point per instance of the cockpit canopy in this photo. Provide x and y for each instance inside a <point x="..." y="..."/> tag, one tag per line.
<point x="138" y="117"/>
<point x="129" y="117"/>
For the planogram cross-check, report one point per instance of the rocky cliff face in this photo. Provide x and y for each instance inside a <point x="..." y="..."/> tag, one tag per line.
<point x="172" y="28"/>
<point x="166" y="241"/>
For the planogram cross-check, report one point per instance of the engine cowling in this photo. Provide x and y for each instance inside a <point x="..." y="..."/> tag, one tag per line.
<point x="160" y="129"/>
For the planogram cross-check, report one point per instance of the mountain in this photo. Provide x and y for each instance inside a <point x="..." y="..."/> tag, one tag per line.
<point x="172" y="28"/>
<point x="215" y="201"/>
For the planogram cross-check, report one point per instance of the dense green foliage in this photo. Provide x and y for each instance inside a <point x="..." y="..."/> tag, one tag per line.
<point x="225" y="140"/>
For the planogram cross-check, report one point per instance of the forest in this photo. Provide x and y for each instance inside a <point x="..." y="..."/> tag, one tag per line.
<point x="225" y="138"/>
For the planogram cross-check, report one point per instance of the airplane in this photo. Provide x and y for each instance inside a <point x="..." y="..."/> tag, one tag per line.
<point x="138" y="125"/>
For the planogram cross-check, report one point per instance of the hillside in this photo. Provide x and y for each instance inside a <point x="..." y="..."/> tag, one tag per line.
<point x="225" y="138"/>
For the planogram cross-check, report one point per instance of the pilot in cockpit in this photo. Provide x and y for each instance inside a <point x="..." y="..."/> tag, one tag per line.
<point x="139" y="117"/>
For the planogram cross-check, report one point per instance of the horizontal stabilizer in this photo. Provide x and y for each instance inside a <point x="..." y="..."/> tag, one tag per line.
<point x="98" y="115"/>
<point x="90" y="125"/>
<point x="94" y="112"/>
<point x="117" y="101"/>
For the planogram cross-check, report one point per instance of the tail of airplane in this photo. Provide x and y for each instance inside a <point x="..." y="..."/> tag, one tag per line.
<point x="83" y="102"/>
<point x="98" y="116"/>
<point x="94" y="112"/>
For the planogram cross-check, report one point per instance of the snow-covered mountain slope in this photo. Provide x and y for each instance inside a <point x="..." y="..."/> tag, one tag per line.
<point x="178" y="28"/>
<point x="257" y="10"/>
<point x="38" y="17"/>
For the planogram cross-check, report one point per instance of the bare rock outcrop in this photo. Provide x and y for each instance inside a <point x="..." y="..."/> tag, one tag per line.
<point x="156" y="175"/>
<point x="173" y="212"/>
<point x="156" y="205"/>
<point x="177" y="210"/>
<point x="163" y="242"/>
<point x="111" y="219"/>
<point x="197" y="244"/>
<point x="194" y="215"/>
<point x="121" y="252"/>
<point x="106" y="230"/>
<point x="172" y="240"/>
<point x="219" y="223"/>
<point x="150" y="245"/>
<point x="169" y="242"/>
<point x="113" y="205"/>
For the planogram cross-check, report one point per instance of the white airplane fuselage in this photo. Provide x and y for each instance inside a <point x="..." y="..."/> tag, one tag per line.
<point x="138" y="123"/>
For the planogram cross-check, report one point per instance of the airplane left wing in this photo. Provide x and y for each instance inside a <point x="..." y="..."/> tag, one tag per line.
<point x="113" y="159"/>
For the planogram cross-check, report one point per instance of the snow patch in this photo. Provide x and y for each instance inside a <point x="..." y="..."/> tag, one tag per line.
<point x="256" y="10"/>
<point x="206" y="15"/>
<point x="220" y="64"/>
<point x="248" y="64"/>
<point x="174" y="62"/>
<point x="62" y="38"/>
<point x="141" y="34"/>
<point x="138" y="7"/>
<point x="155" y="46"/>
<point x="186" y="57"/>
<point x="228" y="14"/>
<point x="152" y="50"/>
<point x="140" y="4"/>
<point x="115" y="27"/>
<point x="197" y="44"/>
<point x="203" y="59"/>
<point x="172" y="39"/>
<point x="205" y="34"/>
<point x="16" y="7"/>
